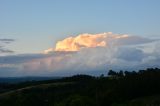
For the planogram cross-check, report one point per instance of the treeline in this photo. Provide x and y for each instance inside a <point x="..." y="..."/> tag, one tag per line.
<point x="116" y="88"/>
<point x="148" y="71"/>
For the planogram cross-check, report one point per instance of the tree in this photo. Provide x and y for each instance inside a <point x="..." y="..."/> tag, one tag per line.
<point x="121" y="74"/>
<point x="112" y="73"/>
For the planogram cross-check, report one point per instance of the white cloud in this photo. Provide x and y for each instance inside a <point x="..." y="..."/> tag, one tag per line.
<point x="86" y="41"/>
<point x="120" y="52"/>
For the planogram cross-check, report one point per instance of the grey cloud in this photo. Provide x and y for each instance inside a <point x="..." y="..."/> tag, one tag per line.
<point x="2" y="50"/>
<point x="17" y="59"/>
<point x="7" y="40"/>
<point x="135" y="40"/>
<point x="3" y="43"/>
<point x="22" y="58"/>
<point x="130" y="54"/>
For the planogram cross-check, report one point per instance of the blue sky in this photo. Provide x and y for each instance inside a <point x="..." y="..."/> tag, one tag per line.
<point x="38" y="24"/>
<point x="28" y="27"/>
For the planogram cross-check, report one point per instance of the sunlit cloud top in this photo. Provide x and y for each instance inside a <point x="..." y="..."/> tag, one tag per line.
<point x="85" y="41"/>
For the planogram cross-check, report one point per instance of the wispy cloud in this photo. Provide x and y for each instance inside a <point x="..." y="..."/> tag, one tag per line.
<point x="8" y="40"/>
<point x="3" y="43"/>
<point x="2" y="50"/>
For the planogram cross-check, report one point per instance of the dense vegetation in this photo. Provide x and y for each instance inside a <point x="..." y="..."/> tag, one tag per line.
<point x="121" y="88"/>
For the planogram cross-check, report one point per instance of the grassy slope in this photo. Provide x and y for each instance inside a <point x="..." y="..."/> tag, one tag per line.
<point x="44" y="94"/>
<point x="40" y="86"/>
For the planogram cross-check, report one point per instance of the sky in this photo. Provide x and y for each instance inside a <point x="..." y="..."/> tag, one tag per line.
<point x="37" y="30"/>
<point x="42" y="23"/>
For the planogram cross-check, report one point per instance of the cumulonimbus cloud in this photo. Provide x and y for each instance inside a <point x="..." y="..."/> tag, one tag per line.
<point x="86" y="53"/>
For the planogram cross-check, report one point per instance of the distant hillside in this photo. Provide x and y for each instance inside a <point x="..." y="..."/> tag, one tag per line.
<point x="121" y="88"/>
